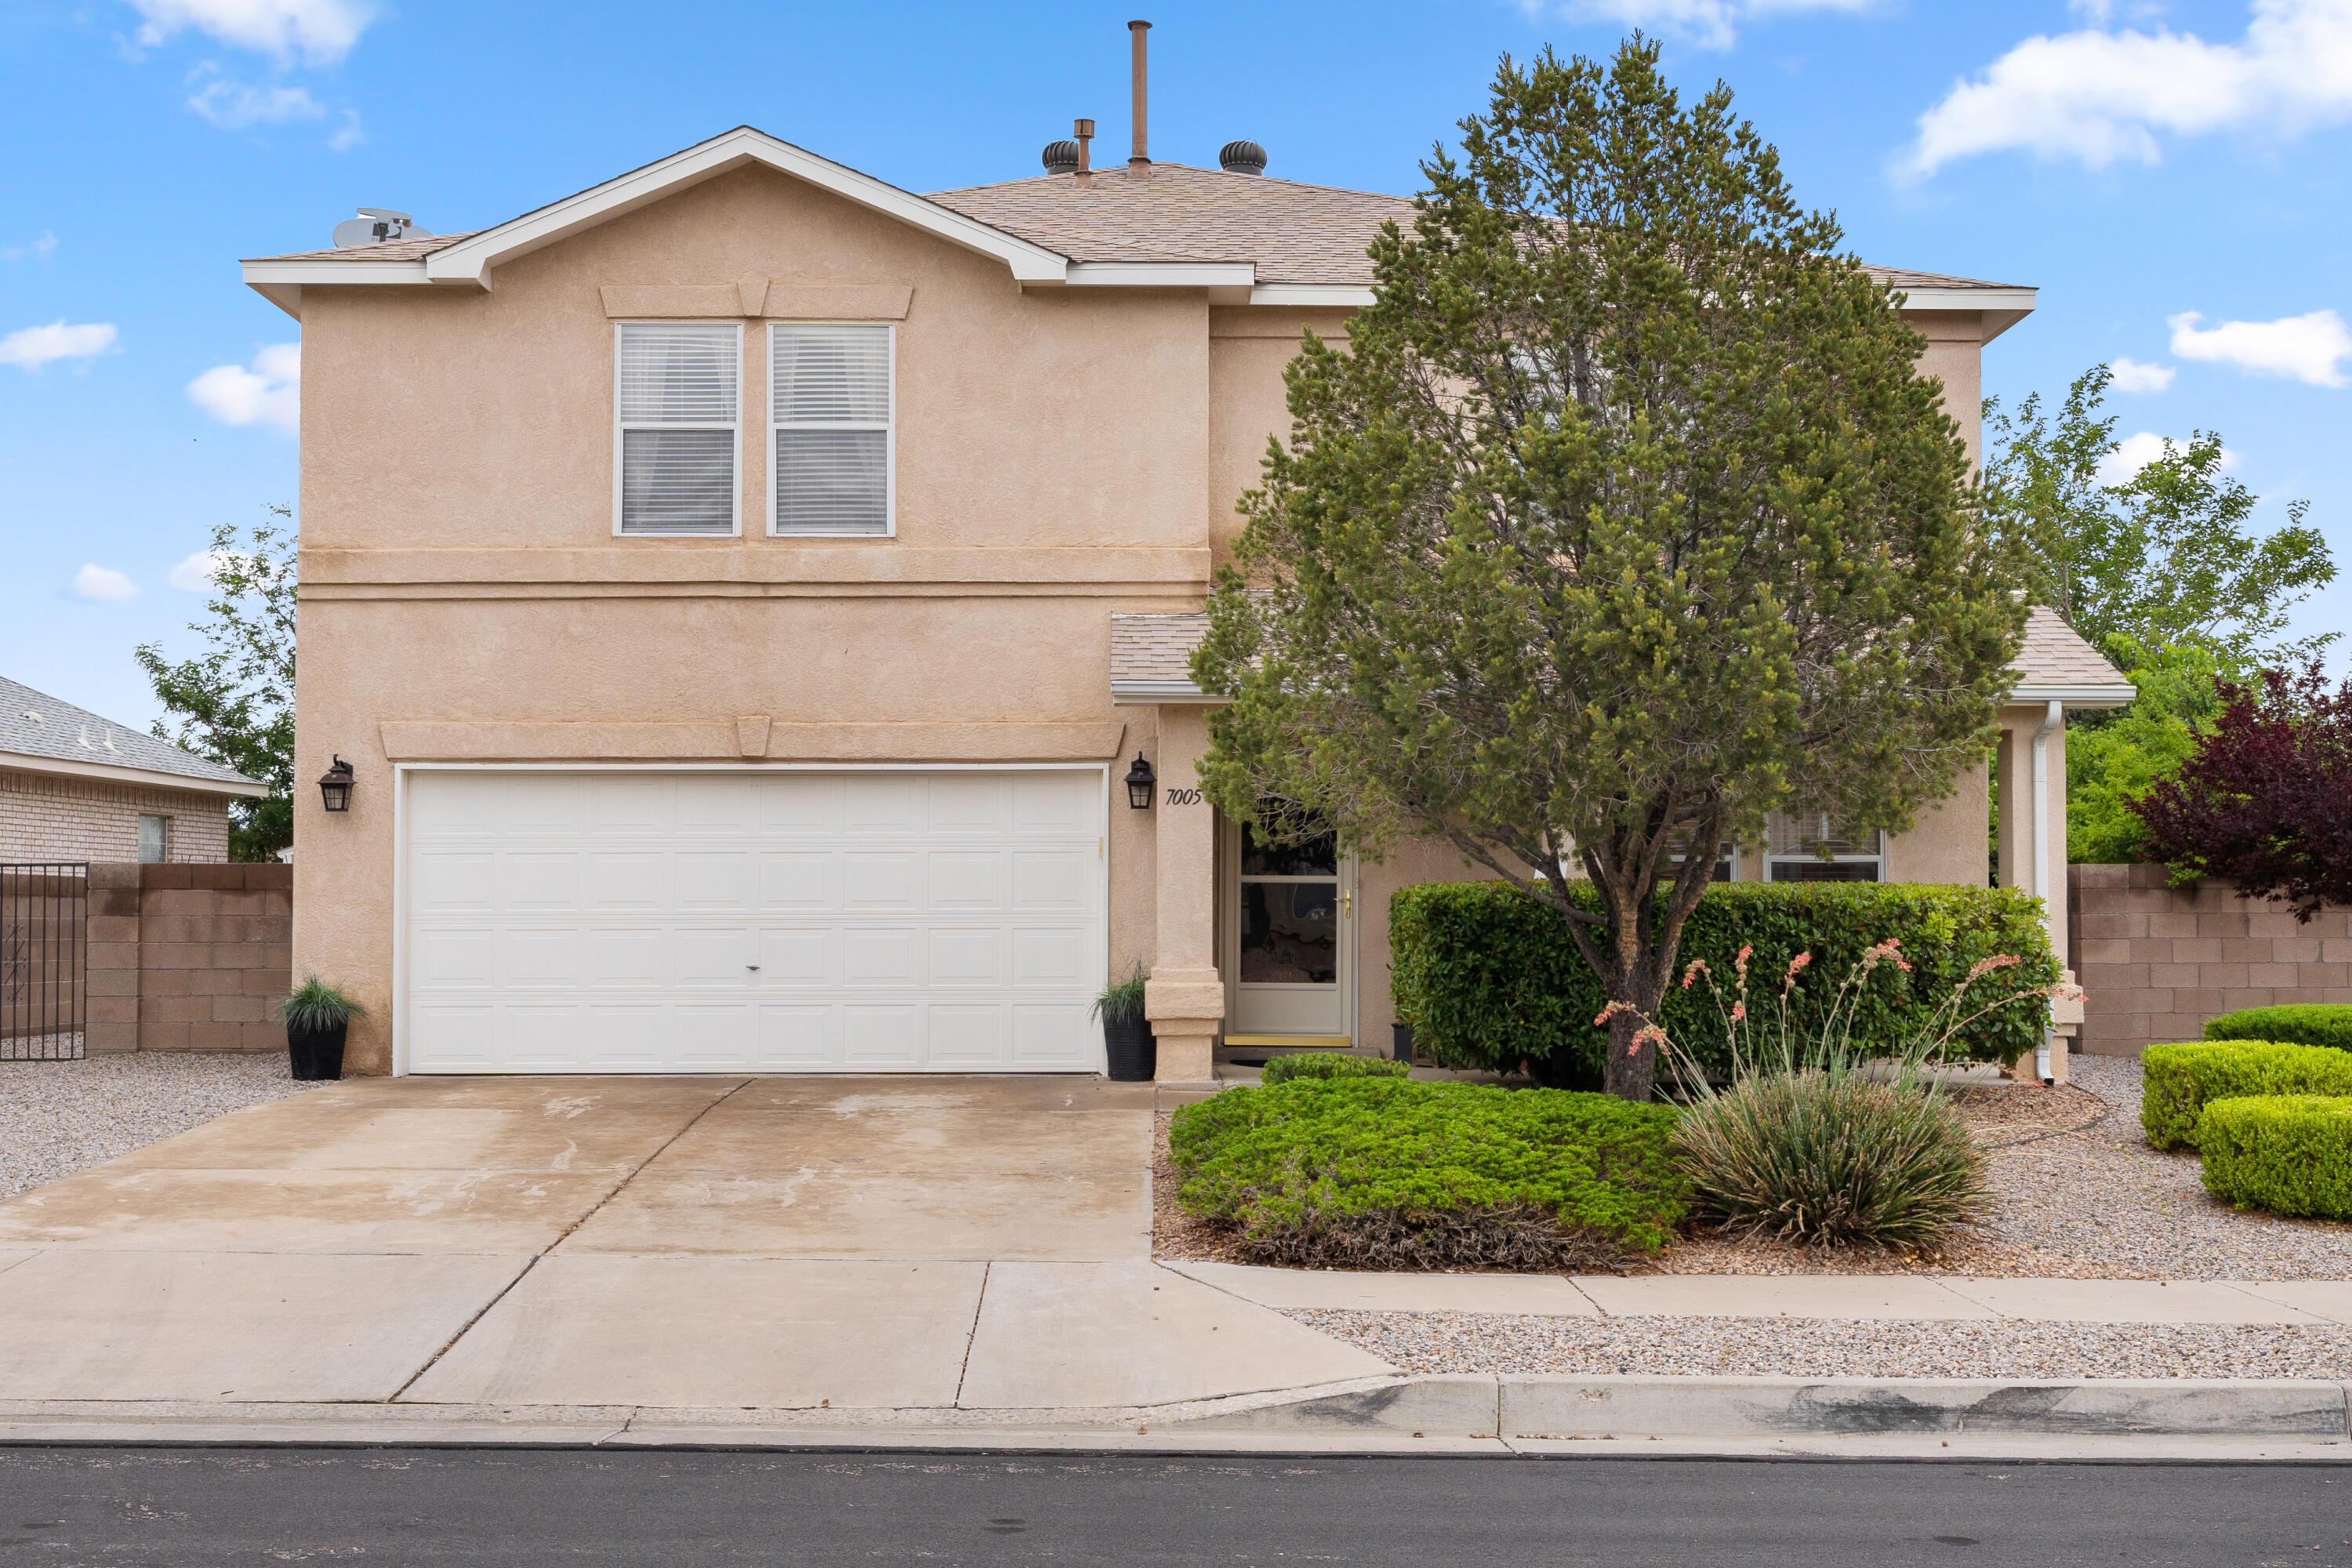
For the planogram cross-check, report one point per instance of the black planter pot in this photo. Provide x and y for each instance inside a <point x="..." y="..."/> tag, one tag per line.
<point x="1133" y="1052"/>
<point x="316" y="1054"/>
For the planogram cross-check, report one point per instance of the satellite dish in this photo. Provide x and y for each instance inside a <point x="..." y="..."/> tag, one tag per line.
<point x="375" y="226"/>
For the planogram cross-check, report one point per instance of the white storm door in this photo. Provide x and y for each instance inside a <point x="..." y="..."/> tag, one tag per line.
<point x="753" y="921"/>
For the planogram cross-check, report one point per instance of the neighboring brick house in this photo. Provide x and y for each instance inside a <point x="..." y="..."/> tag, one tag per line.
<point x="75" y="786"/>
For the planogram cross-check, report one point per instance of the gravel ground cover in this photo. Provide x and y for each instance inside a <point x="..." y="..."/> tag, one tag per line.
<point x="56" y="1118"/>
<point x="1792" y="1347"/>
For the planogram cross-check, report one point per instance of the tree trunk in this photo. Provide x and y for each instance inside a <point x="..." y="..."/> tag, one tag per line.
<point x="1631" y="1071"/>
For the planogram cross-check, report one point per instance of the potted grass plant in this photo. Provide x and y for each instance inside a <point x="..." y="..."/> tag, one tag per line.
<point x="317" y="1018"/>
<point x="1131" y="1054"/>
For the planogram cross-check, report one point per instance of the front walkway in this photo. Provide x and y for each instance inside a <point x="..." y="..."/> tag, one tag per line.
<point x="822" y="1243"/>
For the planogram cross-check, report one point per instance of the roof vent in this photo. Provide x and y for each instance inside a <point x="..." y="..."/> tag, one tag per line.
<point x="1061" y="157"/>
<point x="376" y="225"/>
<point x="1241" y="158"/>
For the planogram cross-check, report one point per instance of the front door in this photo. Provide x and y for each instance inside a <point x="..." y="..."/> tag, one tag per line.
<point x="1290" y="942"/>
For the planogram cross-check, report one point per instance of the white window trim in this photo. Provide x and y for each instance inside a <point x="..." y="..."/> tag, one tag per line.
<point x="890" y="434"/>
<point x="1801" y="857"/>
<point x="735" y="512"/>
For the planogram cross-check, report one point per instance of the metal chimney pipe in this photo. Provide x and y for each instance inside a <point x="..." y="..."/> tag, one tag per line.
<point x="1143" y="155"/>
<point x="1084" y="131"/>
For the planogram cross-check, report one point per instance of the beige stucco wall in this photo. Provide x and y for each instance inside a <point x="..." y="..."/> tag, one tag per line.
<point x="1061" y="454"/>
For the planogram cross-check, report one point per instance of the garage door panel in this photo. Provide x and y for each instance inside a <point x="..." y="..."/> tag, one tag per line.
<point x="958" y="959"/>
<point x="452" y="882"/>
<point x="723" y="879"/>
<point x="881" y="1035"/>
<point x="799" y="879"/>
<point x="879" y="956"/>
<point x="619" y="924"/>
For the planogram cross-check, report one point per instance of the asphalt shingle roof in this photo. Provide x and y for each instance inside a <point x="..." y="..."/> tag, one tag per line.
<point x="34" y="724"/>
<point x="2055" y="654"/>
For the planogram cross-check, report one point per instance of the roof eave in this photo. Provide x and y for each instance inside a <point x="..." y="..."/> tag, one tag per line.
<point x="33" y="763"/>
<point x="2100" y="696"/>
<point x="1998" y="309"/>
<point x="1158" y="693"/>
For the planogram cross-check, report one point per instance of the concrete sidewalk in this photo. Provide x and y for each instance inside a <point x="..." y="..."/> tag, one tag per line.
<point x="1847" y="1297"/>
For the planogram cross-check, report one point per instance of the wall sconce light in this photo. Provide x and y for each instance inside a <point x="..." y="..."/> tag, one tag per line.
<point x="1139" y="780"/>
<point x="335" y="786"/>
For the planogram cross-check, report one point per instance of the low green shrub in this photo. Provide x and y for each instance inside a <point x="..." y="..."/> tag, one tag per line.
<point x="315" y="1007"/>
<point x="1487" y="977"/>
<point x="1388" y="1173"/>
<point x="1831" y="1158"/>
<point x="2291" y="1154"/>
<point x="1330" y="1065"/>
<point x="2299" y="1024"/>
<point x="2183" y="1080"/>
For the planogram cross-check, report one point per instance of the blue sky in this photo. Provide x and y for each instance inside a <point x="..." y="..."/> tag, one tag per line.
<point x="2173" y="177"/>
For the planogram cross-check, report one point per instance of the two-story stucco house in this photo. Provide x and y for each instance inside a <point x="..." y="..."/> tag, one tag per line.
<point x="745" y="589"/>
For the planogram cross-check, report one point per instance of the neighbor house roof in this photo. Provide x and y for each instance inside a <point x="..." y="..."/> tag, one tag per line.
<point x="1151" y="661"/>
<point x="1244" y="237"/>
<point x="39" y="733"/>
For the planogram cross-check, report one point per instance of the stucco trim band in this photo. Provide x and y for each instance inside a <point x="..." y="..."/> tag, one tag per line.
<point x="760" y="298"/>
<point x="759" y="560"/>
<point x="526" y="740"/>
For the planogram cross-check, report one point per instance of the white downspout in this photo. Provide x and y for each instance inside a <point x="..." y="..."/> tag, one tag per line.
<point x="2051" y="722"/>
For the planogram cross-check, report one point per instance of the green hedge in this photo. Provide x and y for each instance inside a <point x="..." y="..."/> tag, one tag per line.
<point x="2183" y="1080"/>
<point x="1486" y="976"/>
<point x="2291" y="1154"/>
<point x="1391" y="1172"/>
<point x="2301" y="1023"/>
<point x="1330" y="1065"/>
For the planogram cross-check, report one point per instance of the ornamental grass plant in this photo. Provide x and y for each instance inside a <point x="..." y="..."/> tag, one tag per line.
<point x="1388" y="1173"/>
<point x="1821" y="1139"/>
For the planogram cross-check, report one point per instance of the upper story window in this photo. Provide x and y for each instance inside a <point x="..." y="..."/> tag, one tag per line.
<point x="829" y="407"/>
<point x="678" y="389"/>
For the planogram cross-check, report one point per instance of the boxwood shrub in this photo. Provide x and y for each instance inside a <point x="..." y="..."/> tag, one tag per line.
<point x="2301" y="1023"/>
<point x="1487" y="977"/>
<point x="1388" y="1173"/>
<point x="1329" y="1065"/>
<point x="2291" y="1154"/>
<point x="2183" y="1080"/>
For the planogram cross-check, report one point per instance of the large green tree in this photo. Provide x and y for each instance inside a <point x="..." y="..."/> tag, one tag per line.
<point x="1622" y="520"/>
<point x="234" y="702"/>
<point x="2165" y="557"/>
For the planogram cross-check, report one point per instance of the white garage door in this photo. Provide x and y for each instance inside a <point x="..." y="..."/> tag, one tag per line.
<point x="945" y="921"/>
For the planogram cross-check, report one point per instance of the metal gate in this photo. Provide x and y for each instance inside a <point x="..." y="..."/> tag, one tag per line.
<point x="44" y="960"/>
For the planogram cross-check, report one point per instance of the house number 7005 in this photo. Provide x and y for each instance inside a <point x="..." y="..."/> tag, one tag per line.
<point x="1183" y="796"/>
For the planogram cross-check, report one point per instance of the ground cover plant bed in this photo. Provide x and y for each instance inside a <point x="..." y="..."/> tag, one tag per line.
<point x="1385" y="1172"/>
<point x="2076" y="1192"/>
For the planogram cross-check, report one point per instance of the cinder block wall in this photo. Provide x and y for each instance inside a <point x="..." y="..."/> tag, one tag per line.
<point x="188" y="958"/>
<point x="2156" y="962"/>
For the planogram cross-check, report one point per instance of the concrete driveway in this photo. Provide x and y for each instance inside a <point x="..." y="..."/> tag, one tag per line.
<point x="853" y="1243"/>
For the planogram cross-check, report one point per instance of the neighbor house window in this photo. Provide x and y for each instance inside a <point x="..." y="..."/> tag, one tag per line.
<point x="1813" y="847"/>
<point x="154" y="839"/>
<point x="829" y="406"/>
<point x="678" y="388"/>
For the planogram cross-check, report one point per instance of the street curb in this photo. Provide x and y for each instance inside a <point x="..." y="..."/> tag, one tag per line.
<point x="1434" y="1414"/>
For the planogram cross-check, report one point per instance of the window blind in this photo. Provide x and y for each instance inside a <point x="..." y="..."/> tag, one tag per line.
<point x="829" y="406"/>
<point x="677" y="387"/>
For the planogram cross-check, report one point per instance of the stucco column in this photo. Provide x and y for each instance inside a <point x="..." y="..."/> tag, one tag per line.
<point x="2034" y="837"/>
<point x="1186" y="997"/>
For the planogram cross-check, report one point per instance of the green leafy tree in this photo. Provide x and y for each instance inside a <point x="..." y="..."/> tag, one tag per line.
<point x="2111" y="765"/>
<point x="2164" y="558"/>
<point x="1623" y="521"/>
<point x="234" y="703"/>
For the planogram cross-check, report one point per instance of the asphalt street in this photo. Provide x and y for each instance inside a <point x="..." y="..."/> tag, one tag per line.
<point x="68" y="1508"/>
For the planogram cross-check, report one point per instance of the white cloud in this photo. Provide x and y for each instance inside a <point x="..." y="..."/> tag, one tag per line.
<point x="96" y="581"/>
<point x="2307" y="348"/>
<point x="320" y="31"/>
<point x="2101" y="97"/>
<point x="40" y="249"/>
<point x="232" y="105"/>
<point x="2134" y="453"/>
<point x="1712" y="24"/>
<point x="195" y="575"/>
<point x="270" y="393"/>
<point x="2133" y="376"/>
<point x="347" y="135"/>
<point x="34" y="347"/>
